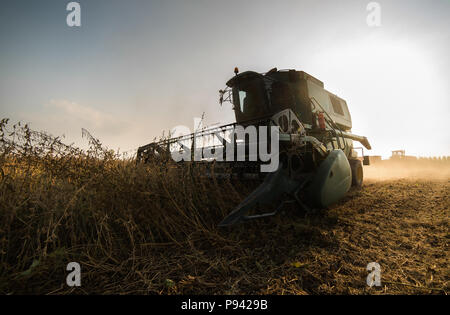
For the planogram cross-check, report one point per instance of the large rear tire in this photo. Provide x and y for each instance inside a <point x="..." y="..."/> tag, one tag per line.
<point x="357" y="173"/>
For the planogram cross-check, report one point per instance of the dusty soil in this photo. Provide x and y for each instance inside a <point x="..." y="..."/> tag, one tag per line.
<point x="401" y="224"/>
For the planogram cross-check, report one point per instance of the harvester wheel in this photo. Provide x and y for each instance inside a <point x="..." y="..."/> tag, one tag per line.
<point x="357" y="173"/>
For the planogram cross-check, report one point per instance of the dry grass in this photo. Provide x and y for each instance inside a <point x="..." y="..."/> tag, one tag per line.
<point x="151" y="230"/>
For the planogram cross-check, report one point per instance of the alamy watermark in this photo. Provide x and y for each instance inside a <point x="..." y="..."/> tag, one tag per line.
<point x="221" y="147"/>
<point x="74" y="17"/>
<point x="374" y="277"/>
<point x="73" y="279"/>
<point x="374" y="17"/>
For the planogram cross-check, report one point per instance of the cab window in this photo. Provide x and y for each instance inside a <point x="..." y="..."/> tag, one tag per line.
<point x="337" y="107"/>
<point x="249" y="99"/>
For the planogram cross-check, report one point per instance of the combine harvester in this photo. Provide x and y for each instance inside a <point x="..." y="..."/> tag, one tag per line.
<point x="317" y="161"/>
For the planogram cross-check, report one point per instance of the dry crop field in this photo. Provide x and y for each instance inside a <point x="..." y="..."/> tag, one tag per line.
<point x="142" y="229"/>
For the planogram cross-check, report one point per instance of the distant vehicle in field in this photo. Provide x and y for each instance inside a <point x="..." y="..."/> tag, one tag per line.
<point x="398" y="154"/>
<point x="401" y="155"/>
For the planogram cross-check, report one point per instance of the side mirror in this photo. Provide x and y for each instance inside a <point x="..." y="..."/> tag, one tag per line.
<point x="225" y="96"/>
<point x="366" y="160"/>
<point x="221" y="93"/>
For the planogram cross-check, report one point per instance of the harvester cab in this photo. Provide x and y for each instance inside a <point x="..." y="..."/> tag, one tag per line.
<point x="317" y="161"/>
<point x="255" y="95"/>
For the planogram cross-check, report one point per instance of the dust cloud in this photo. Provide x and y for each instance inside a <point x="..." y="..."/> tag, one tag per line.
<point x="428" y="169"/>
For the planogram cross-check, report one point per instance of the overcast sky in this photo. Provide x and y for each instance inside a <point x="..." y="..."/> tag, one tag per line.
<point x="136" y="68"/>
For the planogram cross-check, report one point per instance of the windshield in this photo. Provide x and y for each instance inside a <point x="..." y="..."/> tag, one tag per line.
<point x="255" y="96"/>
<point x="249" y="99"/>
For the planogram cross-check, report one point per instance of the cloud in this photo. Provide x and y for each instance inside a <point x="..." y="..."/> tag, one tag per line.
<point x="86" y="116"/>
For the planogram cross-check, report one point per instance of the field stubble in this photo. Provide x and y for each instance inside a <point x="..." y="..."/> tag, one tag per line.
<point x="142" y="229"/>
